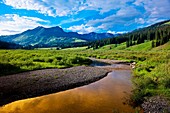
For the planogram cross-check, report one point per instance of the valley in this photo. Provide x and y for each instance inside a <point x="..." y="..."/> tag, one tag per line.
<point x="149" y="53"/>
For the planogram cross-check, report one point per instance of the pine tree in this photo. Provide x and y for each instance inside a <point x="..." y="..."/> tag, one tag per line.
<point x="127" y="43"/>
<point x="148" y="36"/>
<point x="153" y="44"/>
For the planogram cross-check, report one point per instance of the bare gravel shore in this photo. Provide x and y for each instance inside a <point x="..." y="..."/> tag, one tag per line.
<point x="156" y="104"/>
<point x="46" y="81"/>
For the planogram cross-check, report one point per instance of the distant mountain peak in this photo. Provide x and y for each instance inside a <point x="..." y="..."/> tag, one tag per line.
<point x="53" y="36"/>
<point x="39" y="27"/>
<point x="92" y="33"/>
<point x="56" y="28"/>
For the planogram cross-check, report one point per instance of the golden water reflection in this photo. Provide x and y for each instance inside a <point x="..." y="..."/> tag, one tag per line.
<point x="103" y="96"/>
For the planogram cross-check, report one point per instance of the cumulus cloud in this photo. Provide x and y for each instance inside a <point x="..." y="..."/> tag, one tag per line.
<point x="44" y="6"/>
<point x="117" y="32"/>
<point x="82" y="29"/>
<point x="112" y="32"/>
<point x="154" y="9"/>
<point x="13" y="23"/>
<point x="48" y="7"/>
<point x="106" y="5"/>
<point x="111" y="13"/>
<point x="124" y="17"/>
<point x="139" y="20"/>
<point x="66" y="7"/>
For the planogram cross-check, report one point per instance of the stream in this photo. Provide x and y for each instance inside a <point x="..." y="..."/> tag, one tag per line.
<point x="104" y="96"/>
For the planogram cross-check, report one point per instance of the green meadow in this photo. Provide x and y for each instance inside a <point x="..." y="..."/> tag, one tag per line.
<point x="14" y="61"/>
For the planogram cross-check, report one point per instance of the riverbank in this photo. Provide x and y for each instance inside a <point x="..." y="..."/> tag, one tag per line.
<point x="153" y="104"/>
<point x="156" y="104"/>
<point x="113" y="64"/>
<point x="42" y="82"/>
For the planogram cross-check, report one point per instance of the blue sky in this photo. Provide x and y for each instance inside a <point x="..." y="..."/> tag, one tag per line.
<point x="82" y="16"/>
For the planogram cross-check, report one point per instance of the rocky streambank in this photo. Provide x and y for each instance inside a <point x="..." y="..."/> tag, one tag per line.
<point x="156" y="104"/>
<point x="46" y="81"/>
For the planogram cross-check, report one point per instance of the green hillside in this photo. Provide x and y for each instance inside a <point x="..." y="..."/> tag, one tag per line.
<point x="141" y="47"/>
<point x="163" y="47"/>
<point x="167" y="23"/>
<point x="121" y="46"/>
<point x="147" y="46"/>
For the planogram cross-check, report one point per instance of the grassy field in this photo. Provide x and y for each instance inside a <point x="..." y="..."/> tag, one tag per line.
<point x="141" y="47"/>
<point x="150" y="77"/>
<point x="14" y="61"/>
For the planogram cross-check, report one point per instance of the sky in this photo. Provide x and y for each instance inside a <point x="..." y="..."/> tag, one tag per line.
<point x="82" y="16"/>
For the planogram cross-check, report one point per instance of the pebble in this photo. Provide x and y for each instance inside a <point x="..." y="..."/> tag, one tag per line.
<point x="156" y="104"/>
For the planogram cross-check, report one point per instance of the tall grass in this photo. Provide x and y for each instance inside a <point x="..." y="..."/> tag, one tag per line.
<point x="14" y="61"/>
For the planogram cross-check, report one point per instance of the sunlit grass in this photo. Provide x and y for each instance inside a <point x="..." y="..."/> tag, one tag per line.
<point x="24" y="60"/>
<point x="141" y="47"/>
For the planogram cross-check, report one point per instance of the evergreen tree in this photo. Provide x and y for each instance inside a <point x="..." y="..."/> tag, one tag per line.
<point x="148" y="36"/>
<point x="153" y="44"/>
<point x="127" y="43"/>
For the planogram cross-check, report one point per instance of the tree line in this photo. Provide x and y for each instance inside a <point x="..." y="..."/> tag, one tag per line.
<point x="158" y="33"/>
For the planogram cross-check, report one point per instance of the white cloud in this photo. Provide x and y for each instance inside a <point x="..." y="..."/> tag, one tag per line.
<point x="112" y="32"/>
<point x="125" y="16"/>
<point x="155" y="8"/>
<point x="128" y="11"/>
<point x="66" y="7"/>
<point x="13" y="24"/>
<point x="117" y="32"/>
<point x="106" y="5"/>
<point x="139" y="20"/>
<point x="121" y="32"/>
<point x="82" y="29"/>
<point x="129" y="14"/>
<point x="48" y="7"/>
<point x="30" y="5"/>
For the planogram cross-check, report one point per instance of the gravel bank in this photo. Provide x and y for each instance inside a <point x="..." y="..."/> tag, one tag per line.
<point x="42" y="82"/>
<point x="156" y="104"/>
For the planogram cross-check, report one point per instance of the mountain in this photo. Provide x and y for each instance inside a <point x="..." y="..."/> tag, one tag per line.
<point x="54" y="36"/>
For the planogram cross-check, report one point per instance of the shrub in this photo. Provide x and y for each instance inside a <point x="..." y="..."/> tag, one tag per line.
<point x="6" y="68"/>
<point x="49" y="60"/>
<point x="58" y="57"/>
<point x="38" y="60"/>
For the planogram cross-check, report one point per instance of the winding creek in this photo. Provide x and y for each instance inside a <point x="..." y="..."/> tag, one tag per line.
<point x="104" y="96"/>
